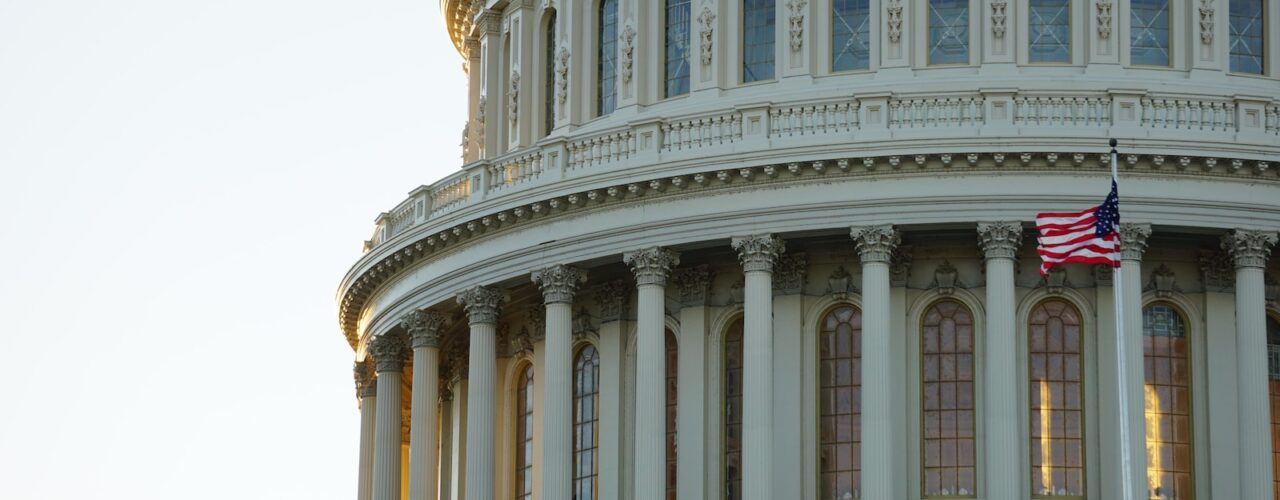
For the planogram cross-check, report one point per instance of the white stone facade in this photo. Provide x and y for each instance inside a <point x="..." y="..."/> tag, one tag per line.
<point x="649" y="232"/>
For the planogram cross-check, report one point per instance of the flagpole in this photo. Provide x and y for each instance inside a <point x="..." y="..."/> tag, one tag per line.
<point x="1126" y="467"/>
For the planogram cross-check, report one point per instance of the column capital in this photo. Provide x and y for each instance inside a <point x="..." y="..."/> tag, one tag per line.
<point x="1000" y="240"/>
<point x="559" y="283"/>
<point x="758" y="252"/>
<point x="389" y="351"/>
<point x="612" y="297"/>
<point x="425" y="327"/>
<point x="366" y="379"/>
<point x="652" y="265"/>
<point x="1249" y="249"/>
<point x="694" y="284"/>
<point x="481" y="304"/>
<point x="1133" y="240"/>
<point x="875" y="243"/>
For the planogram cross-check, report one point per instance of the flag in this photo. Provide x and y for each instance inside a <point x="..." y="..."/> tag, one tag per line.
<point x="1088" y="237"/>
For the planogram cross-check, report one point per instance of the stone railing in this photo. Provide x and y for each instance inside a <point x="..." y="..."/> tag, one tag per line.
<point x="774" y="130"/>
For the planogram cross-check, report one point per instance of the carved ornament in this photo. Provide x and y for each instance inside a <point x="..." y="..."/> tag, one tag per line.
<point x="1249" y="249"/>
<point x="559" y="283"/>
<point x="875" y="243"/>
<point x="894" y="11"/>
<point x="1163" y="282"/>
<point x="366" y="379"/>
<point x="1206" y="21"/>
<point x="612" y="298"/>
<point x="513" y="98"/>
<point x="840" y="283"/>
<point x="945" y="278"/>
<point x="694" y="284"/>
<point x="562" y="75"/>
<point x="425" y="327"/>
<point x="1216" y="272"/>
<point x="1000" y="240"/>
<point x="627" y="46"/>
<point x="652" y="265"/>
<point x="998" y="17"/>
<point x="1104" y="18"/>
<point x="708" y="21"/>
<point x="797" y="23"/>
<point x="389" y="351"/>
<point x="481" y="304"/>
<point x="758" y="252"/>
<point x="1133" y="240"/>
<point x="789" y="274"/>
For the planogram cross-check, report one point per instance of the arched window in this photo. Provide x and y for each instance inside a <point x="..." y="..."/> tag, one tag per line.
<point x="850" y="35"/>
<point x="1054" y="347"/>
<point x="677" y="48"/>
<point x="586" y="428"/>
<point x="948" y="32"/>
<point x="1149" y="32"/>
<point x="758" y="20"/>
<point x="1049" y="31"/>
<point x="1273" y="364"/>
<point x="549" y="76"/>
<point x="732" y="411"/>
<point x="524" y="434"/>
<point x="672" y="389"/>
<point x="946" y="364"/>
<point x="1247" y="42"/>
<point x="607" y="59"/>
<point x="840" y="403"/>
<point x="1167" y="396"/>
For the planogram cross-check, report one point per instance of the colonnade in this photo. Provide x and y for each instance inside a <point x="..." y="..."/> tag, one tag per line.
<point x="883" y="459"/>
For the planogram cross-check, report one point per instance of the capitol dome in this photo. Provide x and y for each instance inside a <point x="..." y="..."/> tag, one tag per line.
<point x="786" y="249"/>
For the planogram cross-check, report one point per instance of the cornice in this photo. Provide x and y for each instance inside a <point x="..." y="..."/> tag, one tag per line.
<point x="427" y="242"/>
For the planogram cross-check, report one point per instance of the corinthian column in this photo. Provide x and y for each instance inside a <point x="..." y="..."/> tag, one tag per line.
<point x="1249" y="250"/>
<point x="367" y="392"/>
<point x="424" y="329"/>
<point x="875" y="246"/>
<point x="651" y="267"/>
<point x="389" y="351"/>
<point x="758" y="254"/>
<point x="1133" y="243"/>
<point x="1000" y="242"/>
<point x="558" y="285"/>
<point x="481" y="304"/>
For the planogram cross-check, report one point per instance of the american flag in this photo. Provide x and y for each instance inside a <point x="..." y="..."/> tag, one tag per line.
<point x="1088" y="237"/>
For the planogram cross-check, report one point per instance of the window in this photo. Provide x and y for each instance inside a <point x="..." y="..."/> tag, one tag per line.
<point x="673" y="368"/>
<point x="607" y="59"/>
<point x="586" y="406"/>
<point x="840" y="404"/>
<point x="549" y="77"/>
<point x="1057" y="413"/>
<point x="1273" y="359"/>
<point x="1149" y="32"/>
<point x="850" y="35"/>
<point x="758" y="19"/>
<point x="948" y="31"/>
<point x="1050" y="31"/>
<point x="733" y="411"/>
<point x="1246" y="39"/>
<point x="524" y="435"/>
<point x="1167" y="396"/>
<point x="677" y="48"/>
<point x="946" y="349"/>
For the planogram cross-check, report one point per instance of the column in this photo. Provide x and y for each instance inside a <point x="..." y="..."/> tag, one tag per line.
<point x="558" y="283"/>
<point x="695" y="291"/>
<point x="367" y="392"/>
<point x="875" y="246"/>
<point x="1000" y="242"/>
<point x="1133" y="243"/>
<point x="481" y="305"/>
<point x="389" y="350"/>
<point x="425" y="329"/>
<point x="446" y="443"/>
<point x="612" y="297"/>
<point x="1249" y="251"/>
<point x="651" y="267"/>
<point x="758" y="254"/>
<point x="1218" y="276"/>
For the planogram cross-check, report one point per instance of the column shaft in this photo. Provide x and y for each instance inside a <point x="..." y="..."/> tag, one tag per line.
<point x="1131" y="297"/>
<point x="446" y="447"/>
<point x="482" y="366"/>
<point x="877" y="424"/>
<point x="386" y="451"/>
<point x="757" y="384"/>
<point x="557" y="414"/>
<point x="423" y="437"/>
<point x="364" y="483"/>
<point x="1252" y="381"/>
<point x="650" y="438"/>
<point x="1003" y="454"/>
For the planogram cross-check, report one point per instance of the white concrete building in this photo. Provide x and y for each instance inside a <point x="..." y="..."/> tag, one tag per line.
<point x="781" y="249"/>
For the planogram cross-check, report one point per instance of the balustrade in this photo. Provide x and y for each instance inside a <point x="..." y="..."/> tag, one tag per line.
<point x="1062" y="111"/>
<point x="813" y="119"/>
<point x="515" y="169"/>
<point x="701" y="132"/>
<point x="602" y="149"/>
<point x="1188" y="114"/>
<point x="945" y="112"/>
<point x="450" y="193"/>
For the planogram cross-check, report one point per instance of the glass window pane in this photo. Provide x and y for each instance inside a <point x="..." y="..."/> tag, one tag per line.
<point x="549" y="76"/>
<point x="947" y="401"/>
<point x="850" y="35"/>
<point x="677" y="48"/>
<point x="732" y="411"/>
<point x="1167" y="399"/>
<point x="1273" y="350"/>
<point x="948" y="31"/>
<point x="1246" y="36"/>
<point x="839" y="413"/>
<point x="586" y="391"/>
<point x="524" y="435"/>
<point x="1050" y="31"/>
<point x="672" y="366"/>
<point x="1149" y="32"/>
<point x="758" y="18"/>
<point x="607" y="59"/>
<point x="1057" y="418"/>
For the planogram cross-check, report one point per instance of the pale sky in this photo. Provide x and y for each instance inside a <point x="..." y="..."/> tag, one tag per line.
<point x="182" y="185"/>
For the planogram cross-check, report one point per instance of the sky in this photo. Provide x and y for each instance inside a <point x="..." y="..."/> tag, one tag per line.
<point x="182" y="186"/>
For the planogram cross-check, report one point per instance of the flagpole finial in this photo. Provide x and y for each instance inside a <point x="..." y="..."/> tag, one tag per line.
<point x="1113" y="143"/>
